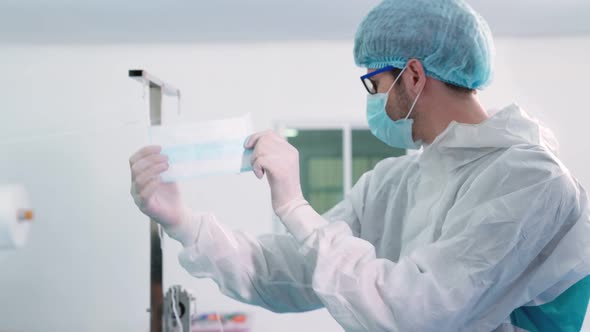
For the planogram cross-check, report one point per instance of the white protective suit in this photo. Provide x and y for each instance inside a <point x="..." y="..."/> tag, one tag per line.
<point x="485" y="220"/>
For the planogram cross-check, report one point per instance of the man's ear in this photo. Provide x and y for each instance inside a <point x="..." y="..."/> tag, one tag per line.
<point x="414" y="77"/>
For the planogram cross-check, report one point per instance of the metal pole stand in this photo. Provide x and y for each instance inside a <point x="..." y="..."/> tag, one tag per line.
<point x="157" y="88"/>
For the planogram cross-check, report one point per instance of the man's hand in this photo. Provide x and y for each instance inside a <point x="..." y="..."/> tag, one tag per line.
<point x="160" y="201"/>
<point x="277" y="158"/>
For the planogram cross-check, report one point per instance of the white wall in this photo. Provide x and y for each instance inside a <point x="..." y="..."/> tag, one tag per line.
<point x="86" y="265"/>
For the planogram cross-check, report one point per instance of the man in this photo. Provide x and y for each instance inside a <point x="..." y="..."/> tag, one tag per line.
<point x="484" y="230"/>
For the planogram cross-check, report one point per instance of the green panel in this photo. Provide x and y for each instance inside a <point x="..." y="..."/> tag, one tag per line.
<point x="367" y="151"/>
<point x="321" y="166"/>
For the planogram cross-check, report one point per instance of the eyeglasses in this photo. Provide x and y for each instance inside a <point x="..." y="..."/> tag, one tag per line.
<point x="368" y="82"/>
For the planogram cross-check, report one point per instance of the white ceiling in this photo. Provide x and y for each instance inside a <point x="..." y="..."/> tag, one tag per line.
<point x="78" y="21"/>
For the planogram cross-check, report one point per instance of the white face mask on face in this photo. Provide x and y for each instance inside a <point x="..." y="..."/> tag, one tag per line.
<point x="396" y="133"/>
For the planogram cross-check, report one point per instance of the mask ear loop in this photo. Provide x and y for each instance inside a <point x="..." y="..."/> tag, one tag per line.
<point x="414" y="104"/>
<point x="174" y="311"/>
<point x="220" y="322"/>
<point x="397" y="79"/>
<point x="144" y="88"/>
<point x="179" y="103"/>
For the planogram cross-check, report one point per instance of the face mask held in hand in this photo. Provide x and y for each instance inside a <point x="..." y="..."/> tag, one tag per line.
<point x="204" y="148"/>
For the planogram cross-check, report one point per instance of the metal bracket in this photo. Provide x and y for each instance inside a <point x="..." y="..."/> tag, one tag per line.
<point x="146" y="78"/>
<point x="185" y="304"/>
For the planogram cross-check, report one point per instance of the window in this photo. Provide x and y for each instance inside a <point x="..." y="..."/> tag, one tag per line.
<point x="321" y="166"/>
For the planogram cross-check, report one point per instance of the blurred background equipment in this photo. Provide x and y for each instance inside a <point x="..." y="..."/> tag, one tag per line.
<point x="16" y="216"/>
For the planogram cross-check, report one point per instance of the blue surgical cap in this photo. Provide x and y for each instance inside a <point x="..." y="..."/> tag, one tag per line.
<point x="453" y="42"/>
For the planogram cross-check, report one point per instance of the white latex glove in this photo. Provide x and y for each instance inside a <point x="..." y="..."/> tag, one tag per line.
<point x="160" y="201"/>
<point x="277" y="158"/>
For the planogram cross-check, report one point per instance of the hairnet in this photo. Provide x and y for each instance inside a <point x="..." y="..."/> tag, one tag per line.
<point x="453" y="42"/>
